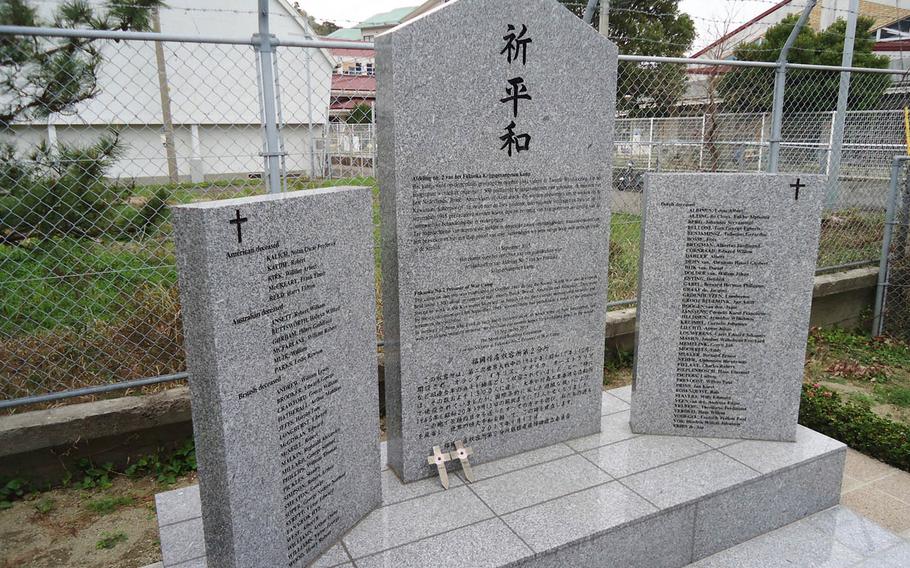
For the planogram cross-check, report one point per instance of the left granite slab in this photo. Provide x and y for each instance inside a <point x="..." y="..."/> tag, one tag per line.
<point x="278" y="298"/>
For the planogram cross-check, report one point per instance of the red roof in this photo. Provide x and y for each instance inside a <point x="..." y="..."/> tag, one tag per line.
<point x="754" y="20"/>
<point x="365" y="83"/>
<point x="897" y="45"/>
<point x="359" y="52"/>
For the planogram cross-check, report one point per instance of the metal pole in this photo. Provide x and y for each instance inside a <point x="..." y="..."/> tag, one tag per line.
<point x="701" y="148"/>
<point x="877" y="321"/>
<point x="272" y="152"/>
<point x="604" y="24"/>
<point x="780" y="81"/>
<point x="843" y="94"/>
<point x="650" y="143"/>
<point x="309" y="119"/>
<point x="588" y="16"/>
<point x="761" y="142"/>
<point x="167" y="120"/>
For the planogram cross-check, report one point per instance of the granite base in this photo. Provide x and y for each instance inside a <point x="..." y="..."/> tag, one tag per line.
<point x="610" y="499"/>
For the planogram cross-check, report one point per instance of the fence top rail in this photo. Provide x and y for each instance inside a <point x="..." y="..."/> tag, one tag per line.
<point x="176" y="38"/>
<point x="330" y="44"/>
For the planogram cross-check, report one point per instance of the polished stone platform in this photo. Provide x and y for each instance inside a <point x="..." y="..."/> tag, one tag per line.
<point x="610" y="499"/>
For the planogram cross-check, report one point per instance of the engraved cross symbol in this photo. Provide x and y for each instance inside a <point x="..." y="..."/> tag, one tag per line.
<point x="439" y="459"/>
<point x="797" y="187"/>
<point x="463" y="452"/>
<point x="239" y="221"/>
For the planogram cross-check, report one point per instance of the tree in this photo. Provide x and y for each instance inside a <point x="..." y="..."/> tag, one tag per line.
<point x="47" y="191"/>
<point x="322" y="28"/>
<point x="750" y="89"/>
<point x="362" y="113"/>
<point x="43" y="76"/>
<point x="647" y="27"/>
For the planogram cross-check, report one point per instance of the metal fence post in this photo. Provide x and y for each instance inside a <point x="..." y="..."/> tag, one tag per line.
<point x="780" y="80"/>
<point x="883" y="265"/>
<point x="265" y="51"/>
<point x="843" y="94"/>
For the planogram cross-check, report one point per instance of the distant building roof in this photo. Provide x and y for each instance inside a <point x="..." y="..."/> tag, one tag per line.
<point x="390" y="18"/>
<point x="353" y="34"/>
<point x="353" y="51"/>
<point x="364" y="83"/>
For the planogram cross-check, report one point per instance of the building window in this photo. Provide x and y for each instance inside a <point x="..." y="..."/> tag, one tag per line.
<point x="370" y="69"/>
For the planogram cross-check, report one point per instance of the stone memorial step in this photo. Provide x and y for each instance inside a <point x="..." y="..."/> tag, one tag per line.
<point x="613" y="498"/>
<point x="278" y="312"/>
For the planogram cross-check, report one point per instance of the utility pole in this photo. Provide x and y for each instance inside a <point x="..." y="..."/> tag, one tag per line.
<point x="840" y="117"/>
<point x="167" y="121"/>
<point x="604" y="24"/>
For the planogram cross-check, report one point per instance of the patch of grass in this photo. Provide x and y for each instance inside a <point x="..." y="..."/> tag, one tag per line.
<point x="45" y="505"/>
<point x="110" y="540"/>
<point x="167" y="470"/>
<point x="107" y="505"/>
<point x="892" y="394"/>
<point x="11" y="490"/>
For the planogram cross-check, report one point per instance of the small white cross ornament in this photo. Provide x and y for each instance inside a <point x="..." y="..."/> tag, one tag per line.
<point x="463" y="452"/>
<point x="439" y="459"/>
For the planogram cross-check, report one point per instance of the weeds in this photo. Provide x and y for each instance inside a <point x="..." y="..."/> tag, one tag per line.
<point x="110" y="540"/>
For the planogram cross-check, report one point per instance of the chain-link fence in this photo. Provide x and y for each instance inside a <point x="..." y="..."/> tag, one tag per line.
<point x="892" y="302"/>
<point x="87" y="277"/>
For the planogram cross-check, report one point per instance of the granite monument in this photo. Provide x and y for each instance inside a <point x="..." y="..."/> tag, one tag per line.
<point x="495" y="145"/>
<point x="278" y="304"/>
<point x="725" y="291"/>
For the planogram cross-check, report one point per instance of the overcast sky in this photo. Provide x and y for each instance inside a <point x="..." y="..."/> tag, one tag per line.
<point x="710" y="16"/>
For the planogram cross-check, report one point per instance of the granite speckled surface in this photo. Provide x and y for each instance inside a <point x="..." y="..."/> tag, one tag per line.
<point x="646" y="519"/>
<point x="278" y="304"/>
<point x="725" y="288"/>
<point x="475" y="240"/>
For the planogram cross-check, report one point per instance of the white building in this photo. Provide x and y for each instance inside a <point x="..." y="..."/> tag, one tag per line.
<point x="213" y="92"/>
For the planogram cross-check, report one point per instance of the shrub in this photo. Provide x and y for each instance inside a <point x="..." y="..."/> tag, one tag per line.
<point x="825" y="411"/>
<point x="50" y="193"/>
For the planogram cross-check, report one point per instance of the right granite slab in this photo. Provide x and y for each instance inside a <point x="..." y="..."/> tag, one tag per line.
<point x="725" y="293"/>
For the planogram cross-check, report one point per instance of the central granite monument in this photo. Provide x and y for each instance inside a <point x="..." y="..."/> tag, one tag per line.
<point x="494" y="169"/>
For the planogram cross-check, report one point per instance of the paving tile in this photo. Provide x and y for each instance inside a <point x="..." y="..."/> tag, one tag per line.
<point x="611" y="405"/>
<point x="864" y="468"/>
<point x="896" y="557"/>
<point x="762" y="505"/>
<point x="539" y="483"/>
<point x="613" y="428"/>
<point x="521" y="461"/>
<point x="897" y="485"/>
<point x="719" y="442"/>
<point x="488" y="544"/>
<point x="689" y="479"/>
<point x="401" y="523"/>
<point x="853" y="531"/>
<point x="577" y="516"/>
<point x="182" y="541"/>
<point x="796" y="545"/>
<point x="849" y="484"/>
<point x="394" y="491"/>
<point x="622" y="393"/>
<point x="771" y="456"/>
<point x="644" y="452"/>
<point x="178" y="505"/>
<point x="195" y="563"/>
<point x="335" y="556"/>
<point x="879" y="507"/>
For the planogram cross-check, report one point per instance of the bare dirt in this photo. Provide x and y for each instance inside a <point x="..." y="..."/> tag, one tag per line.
<point x="70" y="527"/>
